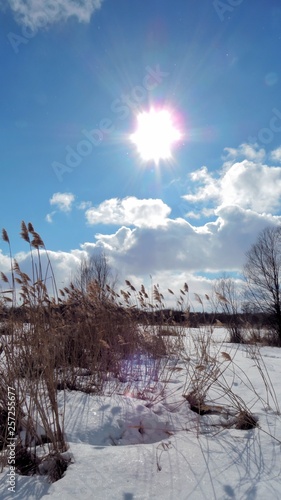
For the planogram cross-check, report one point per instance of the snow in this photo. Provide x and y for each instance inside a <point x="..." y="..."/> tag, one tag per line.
<point x="127" y="448"/>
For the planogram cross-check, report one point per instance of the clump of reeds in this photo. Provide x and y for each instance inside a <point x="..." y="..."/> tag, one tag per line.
<point x="28" y="353"/>
<point x="74" y="339"/>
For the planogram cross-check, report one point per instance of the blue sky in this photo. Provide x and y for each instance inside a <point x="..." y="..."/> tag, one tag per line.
<point x="78" y="69"/>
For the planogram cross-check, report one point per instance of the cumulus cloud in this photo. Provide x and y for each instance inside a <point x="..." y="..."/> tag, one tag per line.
<point x="248" y="184"/>
<point x="35" y="14"/>
<point x="49" y="217"/>
<point x="252" y="185"/>
<point x="276" y="154"/>
<point x="243" y="198"/>
<point x="247" y="151"/>
<point x="129" y="211"/>
<point x="63" y="201"/>
<point x="179" y="246"/>
<point x="208" y="186"/>
<point x="5" y="262"/>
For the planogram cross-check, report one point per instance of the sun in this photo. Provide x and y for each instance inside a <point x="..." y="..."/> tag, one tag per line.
<point x="155" y="135"/>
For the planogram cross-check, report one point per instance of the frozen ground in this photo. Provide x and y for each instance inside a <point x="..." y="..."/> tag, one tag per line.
<point x="126" y="448"/>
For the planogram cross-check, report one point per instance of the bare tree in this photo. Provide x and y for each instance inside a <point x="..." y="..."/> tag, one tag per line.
<point x="229" y="298"/>
<point x="95" y="269"/>
<point x="263" y="274"/>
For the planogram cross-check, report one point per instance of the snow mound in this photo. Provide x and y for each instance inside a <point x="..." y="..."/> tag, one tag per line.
<point x="115" y="420"/>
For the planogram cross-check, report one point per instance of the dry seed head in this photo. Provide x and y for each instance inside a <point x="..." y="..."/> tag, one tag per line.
<point x="171" y="291"/>
<point x="5" y="236"/>
<point x="24" y="277"/>
<point x="24" y="232"/>
<point x="24" y="289"/>
<point x="30" y="227"/>
<point x="185" y="287"/>
<point x="37" y="241"/>
<point x="157" y="298"/>
<point x="198" y="298"/>
<point x="4" y="278"/>
<point x="221" y="298"/>
<point x="200" y="368"/>
<point x="226" y="356"/>
<point x="16" y="266"/>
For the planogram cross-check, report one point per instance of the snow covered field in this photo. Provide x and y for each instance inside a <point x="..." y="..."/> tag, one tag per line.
<point x="156" y="447"/>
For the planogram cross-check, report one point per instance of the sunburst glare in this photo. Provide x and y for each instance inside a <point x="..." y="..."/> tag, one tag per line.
<point x="155" y="135"/>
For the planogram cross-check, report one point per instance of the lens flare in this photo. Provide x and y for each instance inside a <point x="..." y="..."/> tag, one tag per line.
<point x="155" y="135"/>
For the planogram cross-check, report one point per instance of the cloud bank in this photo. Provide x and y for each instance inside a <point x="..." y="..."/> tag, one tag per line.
<point x="232" y="205"/>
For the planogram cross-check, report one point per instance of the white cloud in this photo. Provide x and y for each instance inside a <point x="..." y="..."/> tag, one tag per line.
<point x="248" y="151"/>
<point x="252" y="185"/>
<point x="129" y="211"/>
<point x="248" y="184"/>
<point x="209" y="189"/>
<point x="36" y="14"/>
<point x="63" y="201"/>
<point x="84" y="205"/>
<point x="276" y="154"/>
<point x="5" y="263"/>
<point x="49" y="217"/>
<point x="179" y="246"/>
<point x="192" y="215"/>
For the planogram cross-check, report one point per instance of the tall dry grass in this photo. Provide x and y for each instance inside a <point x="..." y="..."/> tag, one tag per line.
<point x="27" y="358"/>
<point x="57" y="340"/>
